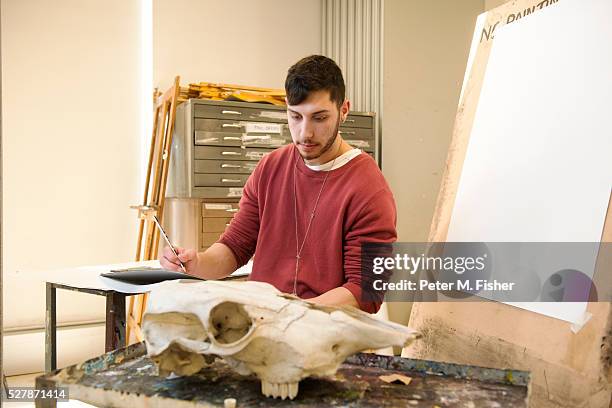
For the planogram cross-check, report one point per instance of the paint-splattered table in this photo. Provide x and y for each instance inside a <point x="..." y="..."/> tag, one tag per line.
<point x="127" y="378"/>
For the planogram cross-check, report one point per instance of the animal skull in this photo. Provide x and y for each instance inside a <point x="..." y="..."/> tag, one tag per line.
<point x="257" y="329"/>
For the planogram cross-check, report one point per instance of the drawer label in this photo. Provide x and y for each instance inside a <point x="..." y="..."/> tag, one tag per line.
<point x="263" y="128"/>
<point x="250" y="166"/>
<point x="235" y="192"/>
<point x="255" y="155"/>
<point x="214" y="206"/>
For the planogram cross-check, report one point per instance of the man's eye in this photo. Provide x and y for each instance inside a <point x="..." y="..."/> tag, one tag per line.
<point x="295" y="117"/>
<point x="320" y="118"/>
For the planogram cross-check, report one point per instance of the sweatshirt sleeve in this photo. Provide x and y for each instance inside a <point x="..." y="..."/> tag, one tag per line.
<point x="241" y="234"/>
<point x="375" y="223"/>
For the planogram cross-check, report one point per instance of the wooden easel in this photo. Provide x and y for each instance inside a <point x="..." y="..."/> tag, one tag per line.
<point x="154" y="197"/>
<point x="578" y="372"/>
<point x="5" y="387"/>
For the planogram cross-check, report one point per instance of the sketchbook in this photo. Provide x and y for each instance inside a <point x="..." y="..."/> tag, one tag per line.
<point x="143" y="279"/>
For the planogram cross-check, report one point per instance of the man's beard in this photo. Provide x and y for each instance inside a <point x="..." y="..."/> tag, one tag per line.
<point x="328" y="145"/>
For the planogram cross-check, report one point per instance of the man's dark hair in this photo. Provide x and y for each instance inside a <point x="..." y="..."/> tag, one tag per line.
<point x="311" y="74"/>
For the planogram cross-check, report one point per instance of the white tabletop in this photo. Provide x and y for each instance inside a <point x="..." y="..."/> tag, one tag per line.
<point x="88" y="277"/>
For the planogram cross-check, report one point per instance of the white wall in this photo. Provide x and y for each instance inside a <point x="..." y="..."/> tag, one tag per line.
<point x="71" y="140"/>
<point x="426" y="45"/>
<point x="246" y="42"/>
<point x="26" y="353"/>
<point x="491" y="4"/>
<point x="426" y="50"/>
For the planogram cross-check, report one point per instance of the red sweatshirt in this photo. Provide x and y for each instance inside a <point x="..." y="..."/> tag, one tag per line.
<point x="356" y="206"/>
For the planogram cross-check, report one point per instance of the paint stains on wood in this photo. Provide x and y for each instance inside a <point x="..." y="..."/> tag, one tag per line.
<point x="125" y="376"/>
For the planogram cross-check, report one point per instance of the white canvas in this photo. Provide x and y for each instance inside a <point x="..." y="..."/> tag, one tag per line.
<point x="538" y="165"/>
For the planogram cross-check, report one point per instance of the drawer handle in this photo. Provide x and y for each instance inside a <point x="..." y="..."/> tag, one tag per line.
<point x="232" y="210"/>
<point x="231" y="154"/>
<point x="230" y="166"/>
<point x="232" y="125"/>
<point x="260" y="137"/>
<point x="344" y="132"/>
<point x="231" y="180"/>
<point x="350" y="120"/>
<point x="207" y="140"/>
<point x="231" y="138"/>
<point x="231" y="112"/>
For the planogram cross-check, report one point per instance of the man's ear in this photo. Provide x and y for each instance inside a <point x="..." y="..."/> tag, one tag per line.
<point x="344" y="109"/>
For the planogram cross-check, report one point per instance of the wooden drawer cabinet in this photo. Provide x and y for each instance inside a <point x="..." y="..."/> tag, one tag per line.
<point x="215" y="209"/>
<point x="216" y="217"/>
<point x="215" y="224"/>
<point x="209" y="238"/>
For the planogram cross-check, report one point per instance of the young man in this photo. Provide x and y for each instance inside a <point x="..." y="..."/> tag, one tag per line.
<point x="308" y="206"/>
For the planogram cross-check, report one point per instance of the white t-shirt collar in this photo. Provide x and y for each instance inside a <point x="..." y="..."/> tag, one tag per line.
<point x="340" y="161"/>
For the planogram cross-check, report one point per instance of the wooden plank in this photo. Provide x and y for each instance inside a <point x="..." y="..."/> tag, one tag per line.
<point x="169" y="132"/>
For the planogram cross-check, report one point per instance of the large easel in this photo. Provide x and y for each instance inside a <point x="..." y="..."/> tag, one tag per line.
<point x="568" y="368"/>
<point x="154" y="196"/>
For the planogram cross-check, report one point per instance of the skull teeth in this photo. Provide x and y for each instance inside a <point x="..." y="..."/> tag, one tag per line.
<point x="279" y="390"/>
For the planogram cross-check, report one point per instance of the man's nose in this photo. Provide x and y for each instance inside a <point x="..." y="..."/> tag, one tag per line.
<point x="306" y="130"/>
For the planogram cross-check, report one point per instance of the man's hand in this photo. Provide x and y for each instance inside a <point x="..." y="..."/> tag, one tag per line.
<point x="336" y="297"/>
<point x="188" y="257"/>
<point x="216" y="262"/>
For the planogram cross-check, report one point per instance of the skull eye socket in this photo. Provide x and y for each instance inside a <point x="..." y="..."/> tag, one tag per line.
<point x="229" y="322"/>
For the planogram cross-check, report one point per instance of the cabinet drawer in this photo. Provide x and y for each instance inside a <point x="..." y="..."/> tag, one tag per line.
<point x="209" y="238"/>
<point x="264" y="114"/>
<point x="365" y="145"/>
<point x="359" y="121"/>
<point x="204" y="138"/>
<point x="213" y="132"/>
<point x="223" y="166"/>
<point x="359" y="137"/>
<point x="356" y="133"/>
<point x="216" y="192"/>
<point x="215" y="224"/>
<point x="220" y="180"/>
<point x="222" y="210"/>
<point x="229" y="153"/>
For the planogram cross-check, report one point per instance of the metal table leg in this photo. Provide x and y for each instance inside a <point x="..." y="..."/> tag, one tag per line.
<point x="50" y="328"/>
<point x="115" y="321"/>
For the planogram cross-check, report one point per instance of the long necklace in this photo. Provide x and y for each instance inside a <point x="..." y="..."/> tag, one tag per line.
<point x="298" y="247"/>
